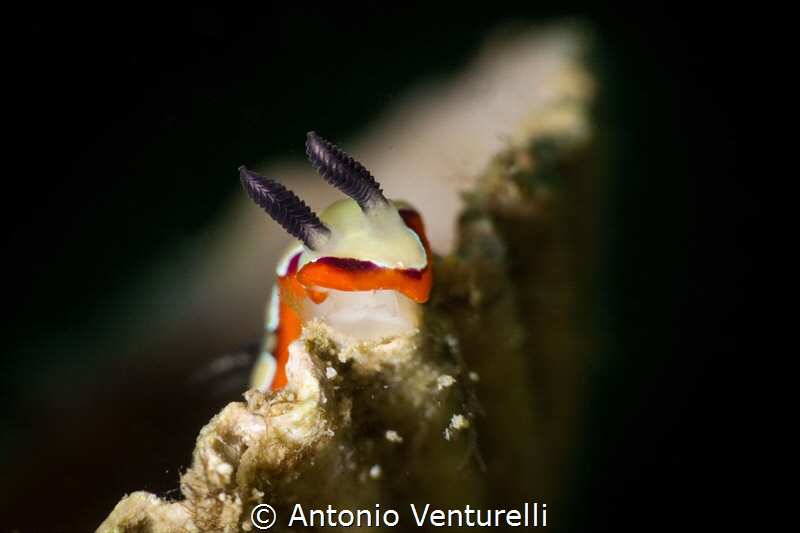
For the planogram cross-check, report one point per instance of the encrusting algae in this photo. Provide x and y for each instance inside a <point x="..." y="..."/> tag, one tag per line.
<point x="352" y="413"/>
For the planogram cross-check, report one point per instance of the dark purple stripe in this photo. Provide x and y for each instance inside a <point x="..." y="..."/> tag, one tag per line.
<point x="407" y="214"/>
<point x="355" y="265"/>
<point x="293" y="262"/>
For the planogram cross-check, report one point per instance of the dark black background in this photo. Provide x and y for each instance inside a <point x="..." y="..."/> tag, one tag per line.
<point x="124" y="118"/>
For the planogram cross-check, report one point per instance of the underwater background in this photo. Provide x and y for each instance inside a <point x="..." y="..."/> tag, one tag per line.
<point x="132" y="125"/>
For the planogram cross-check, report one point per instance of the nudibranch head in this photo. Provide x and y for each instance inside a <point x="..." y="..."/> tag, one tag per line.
<point x="363" y="267"/>
<point x="364" y="243"/>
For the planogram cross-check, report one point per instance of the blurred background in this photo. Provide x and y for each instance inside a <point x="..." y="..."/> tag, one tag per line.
<point x="128" y="125"/>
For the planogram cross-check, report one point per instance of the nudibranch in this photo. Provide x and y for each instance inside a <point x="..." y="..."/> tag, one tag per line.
<point x="363" y="265"/>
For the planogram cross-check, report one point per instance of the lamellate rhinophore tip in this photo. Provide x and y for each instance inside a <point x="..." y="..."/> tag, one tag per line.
<point x="285" y="208"/>
<point x="345" y="173"/>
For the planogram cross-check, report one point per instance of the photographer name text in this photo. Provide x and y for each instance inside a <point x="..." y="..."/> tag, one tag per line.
<point x="531" y="515"/>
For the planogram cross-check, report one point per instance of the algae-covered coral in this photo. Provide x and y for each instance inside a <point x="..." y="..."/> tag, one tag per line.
<point x="360" y="423"/>
<point x="474" y="410"/>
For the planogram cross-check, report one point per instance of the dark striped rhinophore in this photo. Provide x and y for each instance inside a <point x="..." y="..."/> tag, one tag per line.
<point x="345" y="173"/>
<point x="285" y="208"/>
